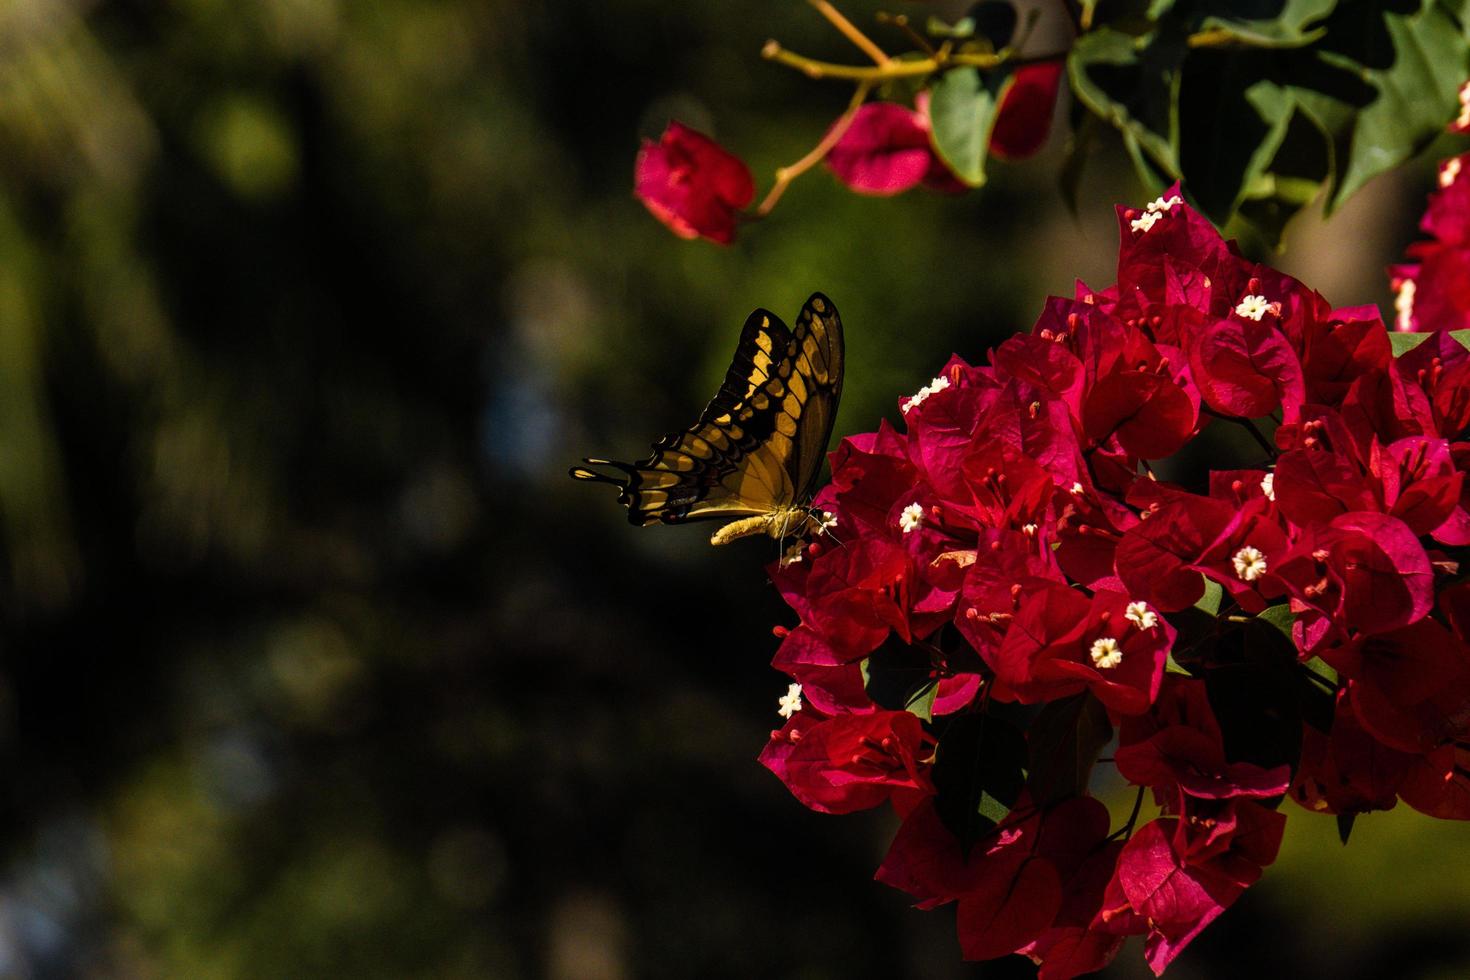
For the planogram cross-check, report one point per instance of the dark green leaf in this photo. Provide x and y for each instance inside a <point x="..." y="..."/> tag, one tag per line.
<point x="1268" y="23"/>
<point x="1279" y="616"/>
<point x="1256" y="691"/>
<point x="1402" y="343"/>
<point x="979" y="763"/>
<point x="900" y="678"/>
<point x="1132" y="84"/>
<point x="1064" y="741"/>
<point x="1209" y="603"/>
<point x="1324" y="670"/>
<point x="1079" y="144"/>
<point x="962" y="109"/>
<point x="1415" y="56"/>
<point x="1231" y="123"/>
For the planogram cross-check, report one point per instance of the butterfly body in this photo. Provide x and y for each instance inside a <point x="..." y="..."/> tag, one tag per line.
<point x="755" y="454"/>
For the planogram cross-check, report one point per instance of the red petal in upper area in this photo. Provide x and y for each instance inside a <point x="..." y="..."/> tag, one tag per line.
<point x="1421" y="485"/>
<point x="1177" y="232"/>
<point x="1024" y="118"/>
<point x="849" y="596"/>
<point x="1387" y="406"/>
<point x="884" y="151"/>
<point x="1313" y="487"/>
<point x="692" y="184"/>
<point x="868" y="478"/>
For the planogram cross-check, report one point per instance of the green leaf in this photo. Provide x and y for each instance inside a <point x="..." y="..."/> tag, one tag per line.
<point x="978" y="757"/>
<point x="1286" y="25"/>
<point x="1416" y="62"/>
<point x="900" y="678"/>
<point x="1257" y="692"/>
<point x="1279" y="616"/>
<point x="1232" y="122"/>
<point x="1402" y="343"/>
<point x="962" y="110"/>
<point x="922" y="702"/>
<point x="1132" y="84"/>
<point x="1210" y="601"/>
<point x="958" y="31"/>
<point x="1079" y="145"/>
<point x="1323" y="670"/>
<point x="1064" y="741"/>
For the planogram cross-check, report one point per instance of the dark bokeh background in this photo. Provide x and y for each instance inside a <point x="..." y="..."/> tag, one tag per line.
<point x="313" y="661"/>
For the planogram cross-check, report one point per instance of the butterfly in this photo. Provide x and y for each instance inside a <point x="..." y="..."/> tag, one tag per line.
<point x="756" y="452"/>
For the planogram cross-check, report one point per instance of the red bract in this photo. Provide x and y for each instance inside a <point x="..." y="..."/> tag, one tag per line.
<point x="692" y="184"/>
<point x="850" y="762"/>
<point x="1178" y="745"/>
<point x="885" y="150"/>
<point x="1024" y="117"/>
<point x="1246" y="367"/>
<point x="1433" y="291"/>
<point x="1178" y="897"/>
<point x="1365" y="572"/>
<point x="1149" y="415"/>
<point x="1061" y="643"/>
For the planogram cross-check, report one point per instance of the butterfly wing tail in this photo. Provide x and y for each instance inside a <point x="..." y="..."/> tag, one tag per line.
<point x="627" y="478"/>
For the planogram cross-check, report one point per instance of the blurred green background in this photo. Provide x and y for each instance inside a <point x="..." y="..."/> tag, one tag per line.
<point x="314" y="662"/>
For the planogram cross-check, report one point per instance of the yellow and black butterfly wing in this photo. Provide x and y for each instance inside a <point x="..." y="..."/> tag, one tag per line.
<point x="758" y="445"/>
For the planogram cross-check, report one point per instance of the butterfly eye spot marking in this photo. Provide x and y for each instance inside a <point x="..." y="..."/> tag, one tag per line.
<point x="819" y="304"/>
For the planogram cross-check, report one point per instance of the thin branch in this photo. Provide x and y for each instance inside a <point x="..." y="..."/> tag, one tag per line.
<point x="1127" y="828"/>
<point x="849" y="30"/>
<point x="901" y="21"/>
<point x="785" y="175"/>
<point x="773" y="51"/>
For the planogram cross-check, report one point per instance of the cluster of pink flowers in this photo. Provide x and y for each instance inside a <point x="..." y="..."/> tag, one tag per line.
<point x="1010" y="587"/>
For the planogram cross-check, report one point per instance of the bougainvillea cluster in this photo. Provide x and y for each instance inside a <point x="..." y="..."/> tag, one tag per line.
<point x="1192" y="546"/>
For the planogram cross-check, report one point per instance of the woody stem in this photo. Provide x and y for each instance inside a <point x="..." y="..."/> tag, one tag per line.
<point x="849" y="30"/>
<point x="785" y="175"/>
<point x="1127" y="828"/>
